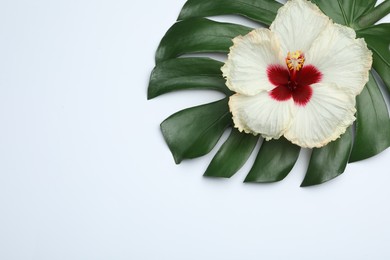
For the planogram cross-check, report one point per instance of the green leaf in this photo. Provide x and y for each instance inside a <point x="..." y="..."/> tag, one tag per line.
<point x="186" y="73"/>
<point x="330" y="161"/>
<point x="374" y="15"/>
<point x="232" y="155"/>
<point x="198" y="35"/>
<point x="372" y="125"/>
<point x="378" y="40"/>
<point x="263" y="11"/>
<point x="382" y="68"/>
<point x="274" y="161"/>
<point x="345" y="11"/>
<point x="193" y="132"/>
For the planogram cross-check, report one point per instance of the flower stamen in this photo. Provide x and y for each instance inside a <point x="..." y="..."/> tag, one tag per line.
<point x="295" y="60"/>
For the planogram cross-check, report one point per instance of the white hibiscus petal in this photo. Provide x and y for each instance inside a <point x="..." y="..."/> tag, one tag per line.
<point x="341" y="58"/>
<point x="327" y="116"/>
<point x="297" y="24"/>
<point x="245" y="70"/>
<point x="261" y="114"/>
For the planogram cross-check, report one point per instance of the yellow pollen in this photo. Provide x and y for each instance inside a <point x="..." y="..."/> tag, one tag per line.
<point x="295" y="60"/>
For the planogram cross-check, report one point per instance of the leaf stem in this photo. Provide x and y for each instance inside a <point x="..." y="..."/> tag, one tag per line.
<point x="374" y="15"/>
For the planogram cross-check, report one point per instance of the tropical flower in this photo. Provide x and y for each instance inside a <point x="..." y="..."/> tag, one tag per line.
<point x="299" y="79"/>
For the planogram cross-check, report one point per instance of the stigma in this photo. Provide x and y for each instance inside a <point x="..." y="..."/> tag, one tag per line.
<point x="295" y="60"/>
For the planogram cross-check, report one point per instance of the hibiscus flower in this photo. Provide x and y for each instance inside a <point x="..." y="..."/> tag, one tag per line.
<point x="299" y="79"/>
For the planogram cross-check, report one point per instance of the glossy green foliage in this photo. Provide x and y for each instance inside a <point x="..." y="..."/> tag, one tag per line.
<point x="374" y="15"/>
<point x="274" y="161"/>
<point x="330" y="161"/>
<point x="262" y="11"/>
<point x="193" y="132"/>
<point x="372" y="125"/>
<point x="186" y="73"/>
<point x="378" y="40"/>
<point x="198" y="35"/>
<point x="345" y="11"/>
<point x="232" y="155"/>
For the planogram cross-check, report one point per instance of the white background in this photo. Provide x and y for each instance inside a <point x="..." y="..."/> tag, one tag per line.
<point x="85" y="173"/>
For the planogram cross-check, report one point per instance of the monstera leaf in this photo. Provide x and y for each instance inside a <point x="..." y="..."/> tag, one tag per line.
<point x="193" y="132"/>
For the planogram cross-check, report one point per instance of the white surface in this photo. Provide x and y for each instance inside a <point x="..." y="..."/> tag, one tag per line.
<point x="85" y="174"/>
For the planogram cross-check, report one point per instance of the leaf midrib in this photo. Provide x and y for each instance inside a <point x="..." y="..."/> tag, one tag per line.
<point x="353" y="11"/>
<point x="343" y="12"/>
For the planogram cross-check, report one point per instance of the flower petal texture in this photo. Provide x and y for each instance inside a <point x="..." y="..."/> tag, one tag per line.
<point x="261" y="114"/>
<point x="299" y="79"/>
<point x="341" y="58"/>
<point x="298" y="24"/>
<point x="328" y="114"/>
<point x="246" y="68"/>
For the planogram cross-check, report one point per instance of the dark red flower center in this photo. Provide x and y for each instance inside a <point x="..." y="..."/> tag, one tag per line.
<point x="293" y="81"/>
